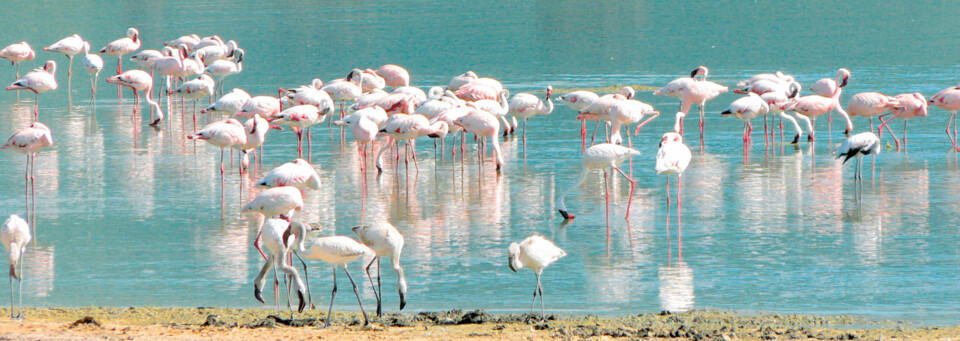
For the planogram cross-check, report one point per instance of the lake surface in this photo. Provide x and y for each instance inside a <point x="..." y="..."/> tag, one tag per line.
<point x="129" y="216"/>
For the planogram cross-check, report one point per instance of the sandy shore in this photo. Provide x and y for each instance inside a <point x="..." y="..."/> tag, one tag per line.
<point x="232" y="324"/>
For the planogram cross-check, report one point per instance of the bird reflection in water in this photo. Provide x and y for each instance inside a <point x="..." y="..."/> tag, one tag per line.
<point x="676" y="288"/>
<point x="38" y="264"/>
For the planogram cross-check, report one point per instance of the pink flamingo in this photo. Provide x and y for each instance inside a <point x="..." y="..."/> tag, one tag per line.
<point x="229" y="103"/>
<point x="477" y="91"/>
<point x="17" y="53"/>
<point x="228" y="133"/>
<point x="364" y="131"/>
<point x="223" y="68"/>
<point x="448" y="116"/>
<point x="675" y="87"/>
<point x="121" y="47"/>
<point x="343" y="90"/>
<point x="778" y="77"/>
<point x="485" y="126"/>
<point x="256" y="129"/>
<point x="826" y="86"/>
<point x="265" y="106"/>
<point x="578" y="101"/>
<point x="368" y="99"/>
<point x="598" y="110"/>
<point x="300" y="118"/>
<point x="37" y="81"/>
<point x="279" y="202"/>
<point x="195" y="89"/>
<point x="139" y="81"/>
<point x="299" y="174"/>
<point x="911" y="105"/>
<point x="394" y="76"/>
<point x="369" y="79"/>
<point x="69" y="47"/>
<point x="191" y="41"/>
<point x="699" y="92"/>
<point x="526" y="105"/>
<point x="438" y="104"/>
<point x="416" y="92"/>
<point x="403" y="127"/>
<point x="869" y="104"/>
<point x="746" y="108"/>
<point x="499" y="108"/>
<point x="949" y="99"/>
<point x="144" y="58"/>
<point x="815" y="105"/>
<point x="168" y="65"/>
<point x="29" y="141"/>
<point x="461" y="80"/>
<point x="673" y="157"/>
<point x="602" y="156"/>
<point x="310" y="95"/>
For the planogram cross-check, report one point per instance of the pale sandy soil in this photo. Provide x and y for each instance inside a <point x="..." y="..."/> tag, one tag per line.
<point x="148" y="323"/>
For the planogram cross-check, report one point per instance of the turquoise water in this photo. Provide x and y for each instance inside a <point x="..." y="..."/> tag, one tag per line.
<point x="129" y="216"/>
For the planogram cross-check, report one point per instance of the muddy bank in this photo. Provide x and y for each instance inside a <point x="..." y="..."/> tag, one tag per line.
<point x="226" y="323"/>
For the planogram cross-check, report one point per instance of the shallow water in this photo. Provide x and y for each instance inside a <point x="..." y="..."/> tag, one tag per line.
<point x="129" y="215"/>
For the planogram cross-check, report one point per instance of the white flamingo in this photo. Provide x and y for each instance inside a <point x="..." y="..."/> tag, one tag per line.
<point x="858" y="146"/>
<point x="602" y="156"/>
<point x="228" y="133"/>
<point x="38" y="81"/>
<point x="139" y="81"/>
<point x="69" y="47"/>
<point x="535" y="253"/>
<point x="279" y="238"/>
<point x="280" y="202"/>
<point x="299" y="173"/>
<point x="673" y="157"/>
<point x="93" y="64"/>
<point x="17" y="53"/>
<point x="15" y="235"/>
<point x="29" y="141"/>
<point x="525" y="105"/>
<point x="385" y="241"/>
<point x="338" y="251"/>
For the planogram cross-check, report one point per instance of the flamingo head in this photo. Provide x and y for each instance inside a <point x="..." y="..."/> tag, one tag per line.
<point x="134" y="34"/>
<point x="699" y="71"/>
<point x="513" y="257"/>
<point x="549" y="92"/>
<point x="843" y="75"/>
<point x="671" y="137"/>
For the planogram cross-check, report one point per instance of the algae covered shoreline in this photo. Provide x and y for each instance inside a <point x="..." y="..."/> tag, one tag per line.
<point x="229" y="323"/>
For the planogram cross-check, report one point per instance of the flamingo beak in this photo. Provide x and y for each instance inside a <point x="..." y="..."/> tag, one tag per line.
<point x="403" y="300"/>
<point x="565" y="215"/>
<point x="258" y="294"/>
<point x="510" y="262"/>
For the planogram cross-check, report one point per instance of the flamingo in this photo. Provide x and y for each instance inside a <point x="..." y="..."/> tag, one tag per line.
<point x="368" y="99"/>
<point x="598" y="110"/>
<point x="775" y="101"/>
<point x="344" y="90"/>
<point x="858" y="145"/>
<point x="121" y="47"/>
<point x="37" y="81"/>
<point x="338" y="251"/>
<point x="779" y="77"/>
<point x="210" y="53"/>
<point x="310" y="95"/>
<point x="675" y="87"/>
<point x="93" y="64"/>
<point x="747" y="108"/>
<point x="407" y="128"/>
<point x="526" y="105"/>
<point x="699" y="92"/>
<point x="17" y="53"/>
<point x="477" y="91"/>
<point x="449" y="116"/>
<point x="416" y="92"/>
<point x="911" y="105"/>
<point x="265" y="106"/>
<point x="229" y="103"/>
<point x="869" y="104"/>
<point x="364" y="131"/>
<point x="436" y="105"/>
<point x="279" y="238"/>
<point x="278" y="202"/>
<point x="169" y="65"/>
<point x="15" y="235"/>
<point x="536" y="253"/>
<point x="300" y="118"/>
<point x="369" y="79"/>
<point x="191" y="40"/>
<point x="256" y="128"/>
<point x="29" y="141"/>
<point x="461" y="80"/>
<point x="673" y="157"/>
<point x="826" y="87"/>
<point x="486" y="126"/>
<point x="385" y="241"/>
<point x="498" y="108"/>
<point x="602" y="156"/>
<point x="815" y="105"/>
<point x="222" y="68"/>
<point x="69" y="47"/>
<point x="139" y="80"/>
<point x="394" y="76"/>
<point x="195" y="89"/>
<point x="949" y="99"/>
<point x="144" y="58"/>
<point x="629" y="112"/>
<point x="299" y="174"/>
<point x="228" y="133"/>
<point x="578" y="101"/>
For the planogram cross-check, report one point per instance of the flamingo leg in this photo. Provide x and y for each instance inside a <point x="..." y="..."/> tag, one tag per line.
<point x="365" y="320"/>
<point x="583" y="136"/>
<point x="540" y="289"/>
<point x="633" y="187"/>
<point x="119" y="93"/>
<point x="222" y="185"/>
<point x="606" y="189"/>
<point x="679" y="218"/>
<point x="376" y="293"/>
<point x="333" y="295"/>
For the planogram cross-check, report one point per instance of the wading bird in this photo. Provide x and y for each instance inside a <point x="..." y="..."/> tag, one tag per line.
<point x="15" y="235"/>
<point x="37" y="81"/>
<point x="673" y="157"/>
<point x="338" y="251"/>
<point x="535" y="253"/>
<point x="385" y="241"/>
<point x="29" y="141"/>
